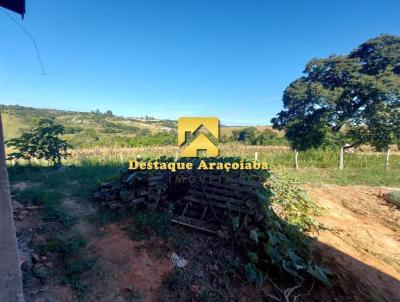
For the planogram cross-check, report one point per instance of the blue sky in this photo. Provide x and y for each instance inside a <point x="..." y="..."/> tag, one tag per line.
<point x="230" y="59"/>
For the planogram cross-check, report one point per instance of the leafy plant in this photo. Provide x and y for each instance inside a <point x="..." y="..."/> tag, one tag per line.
<point x="74" y="265"/>
<point x="43" y="142"/>
<point x="280" y="240"/>
<point x="147" y="223"/>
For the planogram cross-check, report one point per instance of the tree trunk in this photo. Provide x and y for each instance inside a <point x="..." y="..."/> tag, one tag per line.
<point x="58" y="158"/>
<point x="10" y="273"/>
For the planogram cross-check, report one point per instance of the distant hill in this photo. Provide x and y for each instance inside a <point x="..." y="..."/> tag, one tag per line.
<point x="87" y="129"/>
<point x="97" y="129"/>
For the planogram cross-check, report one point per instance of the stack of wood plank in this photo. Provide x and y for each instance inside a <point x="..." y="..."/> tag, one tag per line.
<point x="203" y="200"/>
<point x="136" y="188"/>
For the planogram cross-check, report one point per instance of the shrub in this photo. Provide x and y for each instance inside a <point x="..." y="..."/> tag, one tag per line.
<point x="43" y="142"/>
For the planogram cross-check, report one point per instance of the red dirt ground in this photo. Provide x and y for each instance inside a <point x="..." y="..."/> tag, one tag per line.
<point x="364" y="238"/>
<point x="128" y="269"/>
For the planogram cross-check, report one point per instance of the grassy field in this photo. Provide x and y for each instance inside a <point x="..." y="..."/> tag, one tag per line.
<point x="12" y="125"/>
<point x="102" y="139"/>
<point x="315" y="166"/>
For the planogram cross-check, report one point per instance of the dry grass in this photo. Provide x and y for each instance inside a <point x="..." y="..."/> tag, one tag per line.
<point x="171" y="151"/>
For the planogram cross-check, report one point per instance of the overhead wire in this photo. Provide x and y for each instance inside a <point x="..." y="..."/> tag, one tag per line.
<point x="30" y="36"/>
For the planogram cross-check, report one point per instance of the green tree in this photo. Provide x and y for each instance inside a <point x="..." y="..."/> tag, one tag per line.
<point x="43" y="142"/>
<point x="358" y="94"/>
<point x="109" y="113"/>
<point x="269" y="138"/>
<point x="246" y="135"/>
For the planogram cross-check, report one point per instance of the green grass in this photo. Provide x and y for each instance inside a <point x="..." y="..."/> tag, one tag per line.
<point x="74" y="264"/>
<point x="330" y="159"/>
<point x="349" y="176"/>
<point x="51" y="201"/>
<point x="48" y="187"/>
<point x="148" y="223"/>
<point x="318" y="166"/>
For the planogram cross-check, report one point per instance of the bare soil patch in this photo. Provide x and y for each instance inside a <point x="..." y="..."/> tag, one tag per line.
<point x="128" y="270"/>
<point x="361" y="245"/>
<point x="363" y="240"/>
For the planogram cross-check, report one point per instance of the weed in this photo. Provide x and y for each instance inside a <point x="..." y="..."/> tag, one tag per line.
<point x="65" y="246"/>
<point x="74" y="268"/>
<point x="253" y="275"/>
<point x="147" y="223"/>
<point x="34" y="195"/>
<point x="51" y="201"/>
<point x="74" y="265"/>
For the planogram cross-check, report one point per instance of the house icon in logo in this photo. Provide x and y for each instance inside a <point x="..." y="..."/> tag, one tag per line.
<point x="201" y="129"/>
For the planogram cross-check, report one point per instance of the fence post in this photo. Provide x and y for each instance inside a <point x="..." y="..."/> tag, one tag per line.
<point x="296" y="159"/>
<point x="387" y="158"/>
<point x="176" y="156"/>
<point x="341" y="160"/>
<point x="256" y="155"/>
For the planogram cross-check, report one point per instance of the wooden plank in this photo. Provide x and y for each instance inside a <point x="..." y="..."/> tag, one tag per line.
<point x="159" y="177"/>
<point x="213" y="197"/>
<point x="136" y="201"/>
<point x="204" y="212"/>
<point x="220" y="205"/>
<point x="185" y="209"/>
<point x="186" y="224"/>
<point x="226" y="186"/>
<point x="224" y="191"/>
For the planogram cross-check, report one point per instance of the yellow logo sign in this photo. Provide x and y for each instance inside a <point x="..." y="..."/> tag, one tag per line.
<point x="198" y="128"/>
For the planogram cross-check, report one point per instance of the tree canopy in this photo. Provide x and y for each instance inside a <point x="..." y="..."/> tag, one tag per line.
<point x="357" y="94"/>
<point x="43" y="142"/>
